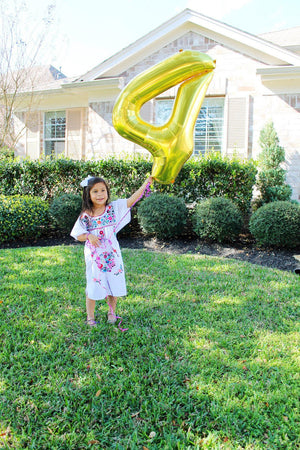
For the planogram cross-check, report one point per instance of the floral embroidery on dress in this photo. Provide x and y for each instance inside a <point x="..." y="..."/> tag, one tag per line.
<point x="105" y="260"/>
<point x="107" y="218"/>
<point x="84" y="219"/>
<point x="104" y="256"/>
<point x="120" y="270"/>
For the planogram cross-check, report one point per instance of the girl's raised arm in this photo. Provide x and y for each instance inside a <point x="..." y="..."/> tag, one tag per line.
<point x="137" y="194"/>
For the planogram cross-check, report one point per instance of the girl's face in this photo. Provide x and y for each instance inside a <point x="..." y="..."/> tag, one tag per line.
<point x="99" y="195"/>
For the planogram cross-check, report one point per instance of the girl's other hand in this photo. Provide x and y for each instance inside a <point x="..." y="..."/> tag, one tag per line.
<point x="93" y="240"/>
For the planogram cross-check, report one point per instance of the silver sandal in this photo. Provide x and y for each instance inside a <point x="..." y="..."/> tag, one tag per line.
<point x="111" y="318"/>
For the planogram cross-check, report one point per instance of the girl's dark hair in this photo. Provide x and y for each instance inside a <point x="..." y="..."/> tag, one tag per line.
<point x="87" y="204"/>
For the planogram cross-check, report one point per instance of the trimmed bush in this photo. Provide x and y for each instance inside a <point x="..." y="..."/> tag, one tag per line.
<point x="217" y="219"/>
<point x="65" y="210"/>
<point x="22" y="217"/>
<point x="162" y="215"/>
<point x="276" y="224"/>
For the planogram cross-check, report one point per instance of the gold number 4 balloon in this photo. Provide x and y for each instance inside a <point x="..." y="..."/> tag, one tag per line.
<point x="170" y="144"/>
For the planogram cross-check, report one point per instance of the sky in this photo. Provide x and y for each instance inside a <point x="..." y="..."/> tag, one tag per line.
<point x="89" y="31"/>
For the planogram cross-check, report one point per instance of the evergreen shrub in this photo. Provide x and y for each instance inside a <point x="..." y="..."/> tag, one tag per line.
<point x="276" y="224"/>
<point x="217" y="219"/>
<point x="162" y="215"/>
<point x="64" y="211"/>
<point x="22" y="217"/>
<point x="271" y="177"/>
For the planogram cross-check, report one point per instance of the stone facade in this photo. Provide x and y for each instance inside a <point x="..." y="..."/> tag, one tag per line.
<point x="102" y="139"/>
<point x="190" y="40"/>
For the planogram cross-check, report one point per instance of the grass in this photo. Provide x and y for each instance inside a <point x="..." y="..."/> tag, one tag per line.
<point x="209" y="360"/>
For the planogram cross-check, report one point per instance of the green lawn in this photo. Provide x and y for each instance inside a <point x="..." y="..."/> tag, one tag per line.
<point x="209" y="360"/>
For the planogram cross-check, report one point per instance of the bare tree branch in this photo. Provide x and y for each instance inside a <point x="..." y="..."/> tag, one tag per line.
<point x="25" y="45"/>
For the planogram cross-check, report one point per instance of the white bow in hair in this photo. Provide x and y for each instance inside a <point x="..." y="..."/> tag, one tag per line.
<point x="85" y="182"/>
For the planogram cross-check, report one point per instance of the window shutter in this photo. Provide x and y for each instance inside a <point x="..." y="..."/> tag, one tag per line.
<point x="74" y="133"/>
<point x="238" y="123"/>
<point x="33" y="135"/>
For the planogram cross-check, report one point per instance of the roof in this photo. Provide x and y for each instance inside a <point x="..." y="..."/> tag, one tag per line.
<point x="188" y="20"/>
<point x="289" y="39"/>
<point x="37" y="78"/>
<point x="284" y="38"/>
<point x="280" y="51"/>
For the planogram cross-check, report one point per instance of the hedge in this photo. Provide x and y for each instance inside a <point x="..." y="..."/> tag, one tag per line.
<point x="199" y="178"/>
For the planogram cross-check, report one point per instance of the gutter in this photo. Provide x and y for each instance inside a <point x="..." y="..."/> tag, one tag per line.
<point x="279" y="73"/>
<point x="66" y="88"/>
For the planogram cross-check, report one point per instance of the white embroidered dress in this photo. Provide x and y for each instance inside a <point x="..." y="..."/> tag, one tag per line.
<point x="104" y="265"/>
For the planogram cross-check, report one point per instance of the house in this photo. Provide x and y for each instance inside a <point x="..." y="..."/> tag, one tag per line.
<point x="256" y="80"/>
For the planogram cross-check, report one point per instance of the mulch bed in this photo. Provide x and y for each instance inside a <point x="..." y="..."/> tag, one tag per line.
<point x="274" y="258"/>
<point x="243" y="250"/>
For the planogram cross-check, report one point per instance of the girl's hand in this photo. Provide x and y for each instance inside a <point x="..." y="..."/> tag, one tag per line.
<point x="139" y="193"/>
<point x="150" y="179"/>
<point x="93" y="239"/>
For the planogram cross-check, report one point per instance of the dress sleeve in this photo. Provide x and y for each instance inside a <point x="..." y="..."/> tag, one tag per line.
<point x="123" y="215"/>
<point x="80" y="227"/>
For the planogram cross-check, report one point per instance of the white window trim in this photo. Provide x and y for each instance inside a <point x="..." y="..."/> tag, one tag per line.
<point x="54" y="139"/>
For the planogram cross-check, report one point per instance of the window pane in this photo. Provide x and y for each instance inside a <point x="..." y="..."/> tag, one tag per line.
<point x="54" y="132"/>
<point x="163" y="111"/>
<point x="208" y="134"/>
<point x="49" y="148"/>
<point x="55" y="124"/>
<point x="54" y="148"/>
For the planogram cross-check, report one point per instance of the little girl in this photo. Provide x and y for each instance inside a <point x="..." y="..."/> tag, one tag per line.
<point x="97" y="226"/>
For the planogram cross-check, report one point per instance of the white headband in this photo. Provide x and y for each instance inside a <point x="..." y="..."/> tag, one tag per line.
<point x="85" y="182"/>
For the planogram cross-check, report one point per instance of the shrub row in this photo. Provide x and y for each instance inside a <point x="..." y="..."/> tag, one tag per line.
<point x="219" y="219"/>
<point x="199" y="178"/>
<point x="215" y="219"/>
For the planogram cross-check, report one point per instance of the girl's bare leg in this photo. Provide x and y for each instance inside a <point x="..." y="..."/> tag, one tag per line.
<point x="90" y="308"/>
<point x="112" y="303"/>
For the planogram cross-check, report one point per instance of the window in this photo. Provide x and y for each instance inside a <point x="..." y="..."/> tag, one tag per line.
<point x="209" y="126"/>
<point x="163" y="111"/>
<point x="208" y="134"/>
<point x="54" y="133"/>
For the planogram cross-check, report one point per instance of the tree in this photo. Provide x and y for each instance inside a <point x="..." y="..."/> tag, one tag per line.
<point x="24" y="43"/>
<point x="271" y="177"/>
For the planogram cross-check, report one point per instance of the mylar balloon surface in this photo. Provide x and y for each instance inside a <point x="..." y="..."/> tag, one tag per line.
<point x="171" y="144"/>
